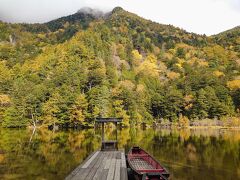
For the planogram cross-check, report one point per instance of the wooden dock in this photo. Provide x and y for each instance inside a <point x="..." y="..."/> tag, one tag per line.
<point x="101" y="165"/>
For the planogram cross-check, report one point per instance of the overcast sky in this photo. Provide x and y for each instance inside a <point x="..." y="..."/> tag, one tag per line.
<point x="199" y="16"/>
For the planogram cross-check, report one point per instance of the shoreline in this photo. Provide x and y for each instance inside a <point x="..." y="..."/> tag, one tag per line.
<point x="213" y="127"/>
<point x="145" y="126"/>
<point x="198" y="127"/>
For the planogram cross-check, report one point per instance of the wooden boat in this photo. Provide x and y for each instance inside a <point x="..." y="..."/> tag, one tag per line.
<point x="144" y="166"/>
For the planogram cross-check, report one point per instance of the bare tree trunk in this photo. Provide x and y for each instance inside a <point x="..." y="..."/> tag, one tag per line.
<point x="90" y="85"/>
<point x="34" y="126"/>
<point x="54" y="126"/>
<point x="33" y="120"/>
<point x="33" y="132"/>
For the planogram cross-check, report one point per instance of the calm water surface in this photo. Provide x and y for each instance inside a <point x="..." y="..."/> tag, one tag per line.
<point x="188" y="154"/>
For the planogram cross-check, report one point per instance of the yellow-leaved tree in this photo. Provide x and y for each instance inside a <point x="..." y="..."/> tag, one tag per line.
<point x="78" y="112"/>
<point x="173" y="75"/>
<point x="151" y="58"/>
<point x="137" y="57"/>
<point x="218" y="73"/>
<point x="234" y="84"/>
<point x="119" y="112"/>
<point x="148" y="67"/>
<point x="5" y="102"/>
<point x="5" y="75"/>
<point x="51" y="109"/>
<point x="183" y="121"/>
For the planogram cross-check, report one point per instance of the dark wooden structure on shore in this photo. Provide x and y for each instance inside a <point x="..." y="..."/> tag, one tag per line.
<point x="108" y="145"/>
<point x="107" y="164"/>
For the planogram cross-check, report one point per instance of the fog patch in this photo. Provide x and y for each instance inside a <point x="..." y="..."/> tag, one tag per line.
<point x="94" y="12"/>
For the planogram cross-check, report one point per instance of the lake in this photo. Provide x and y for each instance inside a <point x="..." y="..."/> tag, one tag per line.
<point x="187" y="154"/>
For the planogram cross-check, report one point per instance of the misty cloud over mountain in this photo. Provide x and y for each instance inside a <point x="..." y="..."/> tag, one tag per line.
<point x="207" y="22"/>
<point x="95" y="12"/>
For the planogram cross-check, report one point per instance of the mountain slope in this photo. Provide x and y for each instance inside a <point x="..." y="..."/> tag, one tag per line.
<point x="158" y="33"/>
<point x="229" y="39"/>
<point x="82" y="18"/>
<point x="28" y="40"/>
<point x="118" y="65"/>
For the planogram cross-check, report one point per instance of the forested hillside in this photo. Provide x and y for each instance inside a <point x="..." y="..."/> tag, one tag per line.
<point x="229" y="39"/>
<point x="79" y="67"/>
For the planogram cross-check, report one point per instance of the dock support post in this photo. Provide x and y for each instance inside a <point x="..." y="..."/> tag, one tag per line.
<point x="102" y="131"/>
<point x="103" y="135"/>
<point x="116" y="136"/>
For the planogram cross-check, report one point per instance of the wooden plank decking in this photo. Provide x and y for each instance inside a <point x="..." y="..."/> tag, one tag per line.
<point x="101" y="165"/>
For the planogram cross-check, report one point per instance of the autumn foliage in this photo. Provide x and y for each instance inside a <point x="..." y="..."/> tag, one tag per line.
<point x="74" y="69"/>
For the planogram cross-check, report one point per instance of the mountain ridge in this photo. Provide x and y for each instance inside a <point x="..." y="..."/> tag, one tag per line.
<point x="90" y="11"/>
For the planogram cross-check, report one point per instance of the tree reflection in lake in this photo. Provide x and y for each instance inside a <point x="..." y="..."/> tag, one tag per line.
<point x="188" y="154"/>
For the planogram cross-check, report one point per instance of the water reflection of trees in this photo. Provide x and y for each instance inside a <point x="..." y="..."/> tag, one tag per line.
<point x="187" y="153"/>
<point x="194" y="153"/>
<point x="50" y="155"/>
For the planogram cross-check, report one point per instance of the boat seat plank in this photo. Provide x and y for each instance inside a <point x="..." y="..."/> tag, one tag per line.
<point x="139" y="155"/>
<point x="151" y="170"/>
